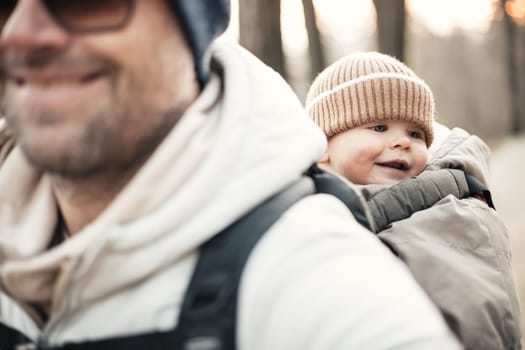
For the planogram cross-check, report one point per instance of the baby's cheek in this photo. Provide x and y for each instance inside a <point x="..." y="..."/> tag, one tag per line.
<point x="370" y="152"/>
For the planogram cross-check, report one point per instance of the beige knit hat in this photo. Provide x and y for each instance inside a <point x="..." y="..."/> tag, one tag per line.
<point x="362" y="88"/>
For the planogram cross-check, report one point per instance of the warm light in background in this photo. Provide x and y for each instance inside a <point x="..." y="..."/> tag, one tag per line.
<point x="516" y="9"/>
<point x="443" y="16"/>
<point x="293" y="28"/>
<point x="351" y="20"/>
<point x="344" y="16"/>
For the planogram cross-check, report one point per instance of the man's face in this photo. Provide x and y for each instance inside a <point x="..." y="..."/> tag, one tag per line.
<point x="84" y="103"/>
<point x="378" y="153"/>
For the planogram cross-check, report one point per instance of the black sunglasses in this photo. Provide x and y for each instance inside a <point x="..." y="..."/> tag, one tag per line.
<point x="81" y="16"/>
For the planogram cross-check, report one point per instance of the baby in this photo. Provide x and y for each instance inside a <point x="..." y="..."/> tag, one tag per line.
<point x="378" y="118"/>
<point x="377" y="115"/>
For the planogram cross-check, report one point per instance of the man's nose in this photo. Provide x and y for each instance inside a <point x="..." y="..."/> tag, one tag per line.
<point x="30" y="28"/>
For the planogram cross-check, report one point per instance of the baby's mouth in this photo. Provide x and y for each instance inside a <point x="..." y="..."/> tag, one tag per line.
<point x="395" y="164"/>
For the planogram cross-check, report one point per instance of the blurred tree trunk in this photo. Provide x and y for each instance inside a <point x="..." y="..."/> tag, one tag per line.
<point x="260" y="31"/>
<point x="315" y="48"/>
<point x="515" y="39"/>
<point x="391" y="18"/>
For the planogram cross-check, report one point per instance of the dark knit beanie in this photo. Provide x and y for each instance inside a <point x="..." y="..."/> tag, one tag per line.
<point x="202" y="21"/>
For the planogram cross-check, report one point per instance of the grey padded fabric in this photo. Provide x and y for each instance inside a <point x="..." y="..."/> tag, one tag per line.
<point x="389" y="204"/>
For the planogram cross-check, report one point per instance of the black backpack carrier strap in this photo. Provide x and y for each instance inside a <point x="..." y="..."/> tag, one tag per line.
<point x="208" y="316"/>
<point x="11" y="338"/>
<point x="476" y="187"/>
<point x="149" y="341"/>
<point x="328" y="183"/>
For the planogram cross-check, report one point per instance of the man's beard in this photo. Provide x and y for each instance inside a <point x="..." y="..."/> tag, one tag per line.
<point x="102" y="146"/>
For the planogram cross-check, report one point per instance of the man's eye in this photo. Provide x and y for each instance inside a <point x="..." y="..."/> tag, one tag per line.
<point x="379" y="128"/>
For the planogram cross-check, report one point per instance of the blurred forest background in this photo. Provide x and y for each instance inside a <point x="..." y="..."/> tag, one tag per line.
<point x="470" y="52"/>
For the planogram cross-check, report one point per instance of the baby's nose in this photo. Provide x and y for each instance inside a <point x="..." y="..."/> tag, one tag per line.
<point x="400" y="141"/>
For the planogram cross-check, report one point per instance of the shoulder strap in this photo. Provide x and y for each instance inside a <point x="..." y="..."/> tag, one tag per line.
<point x="208" y="316"/>
<point x="476" y="187"/>
<point x="326" y="182"/>
<point x="11" y="338"/>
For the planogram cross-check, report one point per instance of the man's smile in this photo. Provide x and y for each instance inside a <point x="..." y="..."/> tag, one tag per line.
<point x="47" y="78"/>
<point x="53" y="88"/>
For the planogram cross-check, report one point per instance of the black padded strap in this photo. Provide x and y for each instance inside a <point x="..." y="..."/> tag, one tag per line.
<point x="208" y="314"/>
<point x="11" y="338"/>
<point x="149" y="341"/>
<point x="326" y="182"/>
<point x="476" y="187"/>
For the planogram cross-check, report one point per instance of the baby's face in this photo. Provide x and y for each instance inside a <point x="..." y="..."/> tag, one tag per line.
<point x="384" y="152"/>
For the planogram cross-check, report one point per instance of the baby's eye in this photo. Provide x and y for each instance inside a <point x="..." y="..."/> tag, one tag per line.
<point x="415" y="134"/>
<point x="379" y="128"/>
